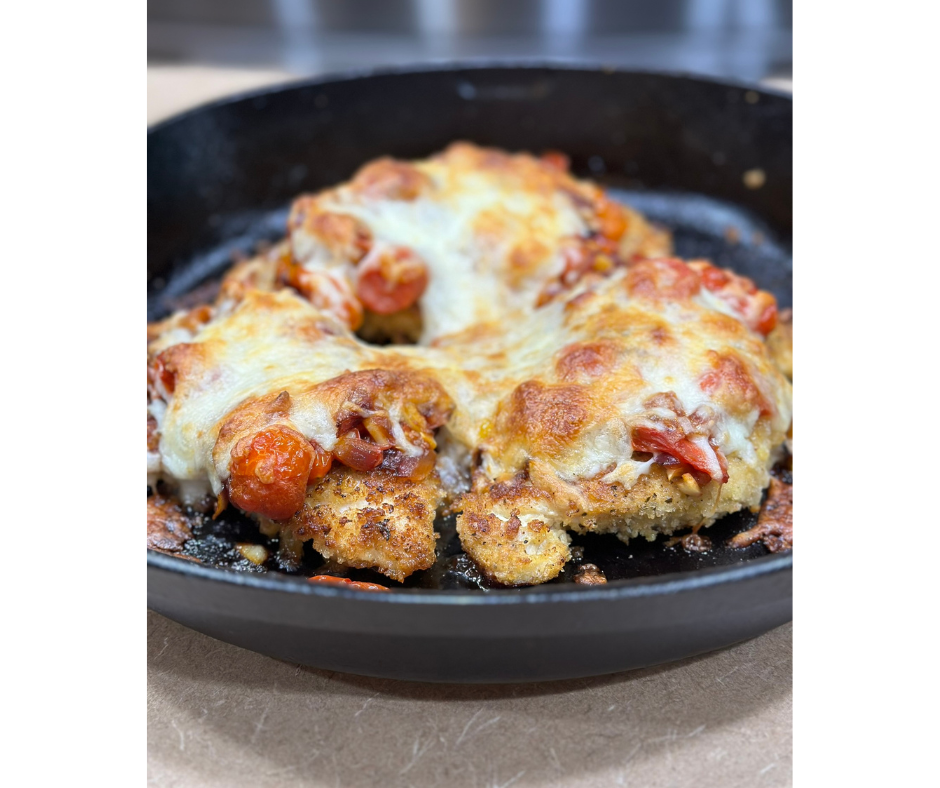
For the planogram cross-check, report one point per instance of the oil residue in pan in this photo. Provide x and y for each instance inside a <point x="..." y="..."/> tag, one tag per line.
<point x="215" y="543"/>
<point x="701" y="226"/>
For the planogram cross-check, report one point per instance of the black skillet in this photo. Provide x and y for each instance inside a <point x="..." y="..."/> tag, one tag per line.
<point x="712" y="161"/>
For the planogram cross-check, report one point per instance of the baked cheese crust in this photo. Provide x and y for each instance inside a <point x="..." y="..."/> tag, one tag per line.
<point x="567" y="374"/>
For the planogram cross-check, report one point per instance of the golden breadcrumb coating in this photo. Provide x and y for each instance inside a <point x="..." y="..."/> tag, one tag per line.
<point x="568" y="375"/>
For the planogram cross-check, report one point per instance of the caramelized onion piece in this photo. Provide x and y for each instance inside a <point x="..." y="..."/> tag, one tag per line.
<point x="221" y="503"/>
<point x="356" y="453"/>
<point x="434" y="415"/>
<point x="322" y="462"/>
<point x="379" y="428"/>
<point x="256" y="553"/>
<point x="415" y="468"/>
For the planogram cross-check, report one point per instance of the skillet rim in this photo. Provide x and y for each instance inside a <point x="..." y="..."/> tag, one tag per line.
<point x="630" y="588"/>
<point x="352" y="75"/>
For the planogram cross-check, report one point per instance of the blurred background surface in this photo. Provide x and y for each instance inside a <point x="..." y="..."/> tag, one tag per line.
<point x="199" y="49"/>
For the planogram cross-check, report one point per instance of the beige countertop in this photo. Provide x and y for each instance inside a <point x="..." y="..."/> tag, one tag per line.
<point x="220" y="715"/>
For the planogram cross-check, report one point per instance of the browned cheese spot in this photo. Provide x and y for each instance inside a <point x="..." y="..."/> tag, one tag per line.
<point x="175" y="364"/>
<point x="546" y="417"/>
<point x="253" y="415"/>
<point x="586" y="361"/>
<point x="660" y="335"/>
<point x="730" y="382"/>
<point x="388" y="179"/>
<point x="369" y="388"/>
<point x="527" y="255"/>
<point x="342" y="234"/>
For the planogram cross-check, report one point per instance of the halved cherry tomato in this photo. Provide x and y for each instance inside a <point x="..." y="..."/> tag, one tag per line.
<point x="269" y="472"/>
<point x="391" y="279"/>
<point x="767" y="321"/>
<point x="673" y="443"/>
<point x="756" y="308"/>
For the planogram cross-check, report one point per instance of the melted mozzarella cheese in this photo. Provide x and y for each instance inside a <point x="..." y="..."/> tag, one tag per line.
<point x="264" y="347"/>
<point x="482" y="340"/>
<point x="256" y="350"/>
<point x="465" y="229"/>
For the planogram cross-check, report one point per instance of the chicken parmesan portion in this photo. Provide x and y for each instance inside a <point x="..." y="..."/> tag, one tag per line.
<point x="269" y="398"/>
<point x="637" y="404"/>
<point x="468" y="236"/>
<point x="563" y="374"/>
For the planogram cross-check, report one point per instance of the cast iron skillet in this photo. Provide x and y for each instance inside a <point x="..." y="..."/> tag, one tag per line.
<point x="713" y="161"/>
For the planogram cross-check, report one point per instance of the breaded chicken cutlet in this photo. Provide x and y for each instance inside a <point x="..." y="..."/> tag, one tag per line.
<point x="567" y="374"/>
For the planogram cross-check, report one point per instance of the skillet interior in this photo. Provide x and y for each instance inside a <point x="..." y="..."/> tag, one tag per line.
<point x="221" y="178"/>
